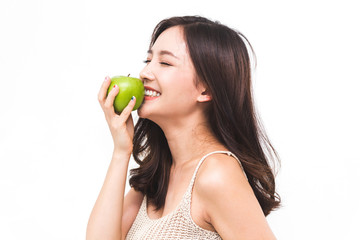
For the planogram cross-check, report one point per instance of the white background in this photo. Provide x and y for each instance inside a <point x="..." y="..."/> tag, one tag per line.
<point x="55" y="145"/>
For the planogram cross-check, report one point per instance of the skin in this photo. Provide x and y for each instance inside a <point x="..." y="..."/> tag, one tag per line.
<point x="230" y="209"/>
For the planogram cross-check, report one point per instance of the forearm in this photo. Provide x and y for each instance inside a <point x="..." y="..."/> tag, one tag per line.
<point x="105" y="219"/>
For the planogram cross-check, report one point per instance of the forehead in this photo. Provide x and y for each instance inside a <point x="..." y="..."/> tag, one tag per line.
<point x="172" y="39"/>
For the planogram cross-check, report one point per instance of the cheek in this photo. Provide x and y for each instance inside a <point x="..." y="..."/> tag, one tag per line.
<point x="180" y="96"/>
<point x="184" y="82"/>
<point x="181" y="87"/>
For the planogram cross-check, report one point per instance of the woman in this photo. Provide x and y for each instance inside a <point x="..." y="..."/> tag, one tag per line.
<point x="203" y="160"/>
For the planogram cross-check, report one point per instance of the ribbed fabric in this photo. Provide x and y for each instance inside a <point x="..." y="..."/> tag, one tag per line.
<point x="177" y="224"/>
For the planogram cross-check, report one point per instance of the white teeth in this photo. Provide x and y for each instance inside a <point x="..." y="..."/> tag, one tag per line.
<point x="152" y="93"/>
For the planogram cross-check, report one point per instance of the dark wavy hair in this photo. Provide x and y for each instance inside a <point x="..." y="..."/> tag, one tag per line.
<point x="221" y="57"/>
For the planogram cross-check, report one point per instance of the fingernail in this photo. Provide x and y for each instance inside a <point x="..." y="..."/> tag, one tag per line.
<point x="107" y="78"/>
<point x="115" y="86"/>
<point x="132" y="98"/>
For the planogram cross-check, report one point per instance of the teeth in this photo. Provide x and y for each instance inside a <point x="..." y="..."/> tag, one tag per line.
<point x="152" y="93"/>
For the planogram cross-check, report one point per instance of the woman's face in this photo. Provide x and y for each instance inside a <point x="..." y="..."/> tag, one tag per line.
<point x="169" y="79"/>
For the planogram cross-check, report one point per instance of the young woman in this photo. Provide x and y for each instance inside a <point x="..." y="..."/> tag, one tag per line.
<point x="204" y="170"/>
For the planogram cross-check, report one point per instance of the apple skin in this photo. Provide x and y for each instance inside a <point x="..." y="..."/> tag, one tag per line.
<point x="128" y="87"/>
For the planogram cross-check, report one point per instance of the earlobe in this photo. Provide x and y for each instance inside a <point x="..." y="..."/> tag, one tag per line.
<point x="204" y="97"/>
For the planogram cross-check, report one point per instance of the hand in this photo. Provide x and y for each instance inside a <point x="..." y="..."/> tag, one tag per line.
<point x="121" y="126"/>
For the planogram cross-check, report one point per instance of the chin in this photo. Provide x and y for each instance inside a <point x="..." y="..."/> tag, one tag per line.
<point x="158" y="113"/>
<point x="140" y="113"/>
<point x="143" y="112"/>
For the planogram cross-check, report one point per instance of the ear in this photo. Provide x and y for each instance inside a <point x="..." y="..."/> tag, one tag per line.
<point x="204" y="96"/>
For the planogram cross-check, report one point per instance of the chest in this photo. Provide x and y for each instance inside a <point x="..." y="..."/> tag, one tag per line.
<point x="178" y="187"/>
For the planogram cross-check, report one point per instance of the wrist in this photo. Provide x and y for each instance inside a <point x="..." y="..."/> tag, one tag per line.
<point x="118" y="150"/>
<point x="121" y="155"/>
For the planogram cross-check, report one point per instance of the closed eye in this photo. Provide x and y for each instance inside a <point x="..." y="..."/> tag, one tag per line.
<point x="162" y="63"/>
<point x="165" y="63"/>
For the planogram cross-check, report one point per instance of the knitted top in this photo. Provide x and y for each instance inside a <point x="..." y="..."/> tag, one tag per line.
<point x="177" y="224"/>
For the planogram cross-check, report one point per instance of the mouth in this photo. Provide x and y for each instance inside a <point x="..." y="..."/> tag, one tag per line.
<point x="151" y="93"/>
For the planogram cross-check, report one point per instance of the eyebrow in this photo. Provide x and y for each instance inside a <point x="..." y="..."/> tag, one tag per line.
<point x="163" y="52"/>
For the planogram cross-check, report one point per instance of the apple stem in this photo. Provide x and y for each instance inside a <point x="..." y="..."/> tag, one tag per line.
<point x="129" y="75"/>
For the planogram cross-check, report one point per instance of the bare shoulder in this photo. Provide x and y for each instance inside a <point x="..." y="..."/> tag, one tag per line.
<point x="229" y="203"/>
<point x="220" y="171"/>
<point x="221" y="181"/>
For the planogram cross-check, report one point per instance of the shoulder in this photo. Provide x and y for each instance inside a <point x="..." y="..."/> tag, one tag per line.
<point x="220" y="171"/>
<point x="221" y="180"/>
<point x="229" y="203"/>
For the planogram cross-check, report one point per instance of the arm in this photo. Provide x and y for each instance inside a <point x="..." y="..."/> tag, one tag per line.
<point x="109" y="213"/>
<point x="231" y="206"/>
<point x="132" y="203"/>
<point x="106" y="219"/>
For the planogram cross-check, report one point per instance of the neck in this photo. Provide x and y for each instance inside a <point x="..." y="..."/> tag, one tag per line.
<point x="189" y="140"/>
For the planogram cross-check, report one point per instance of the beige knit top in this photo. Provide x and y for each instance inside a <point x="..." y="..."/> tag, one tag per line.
<point x="177" y="224"/>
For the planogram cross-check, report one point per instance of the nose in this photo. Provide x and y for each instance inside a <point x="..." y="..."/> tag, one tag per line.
<point x="146" y="74"/>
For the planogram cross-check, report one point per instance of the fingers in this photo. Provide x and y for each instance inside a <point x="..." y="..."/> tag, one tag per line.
<point x="109" y="101"/>
<point x="103" y="90"/>
<point x="130" y="126"/>
<point x="128" y="109"/>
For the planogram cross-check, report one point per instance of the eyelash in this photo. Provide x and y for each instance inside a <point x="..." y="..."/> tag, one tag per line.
<point x="162" y="63"/>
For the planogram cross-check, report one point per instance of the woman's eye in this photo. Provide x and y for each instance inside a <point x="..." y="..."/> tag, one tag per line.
<point x="165" y="63"/>
<point x="162" y="63"/>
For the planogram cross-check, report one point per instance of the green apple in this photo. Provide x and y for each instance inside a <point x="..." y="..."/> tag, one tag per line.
<point x="128" y="87"/>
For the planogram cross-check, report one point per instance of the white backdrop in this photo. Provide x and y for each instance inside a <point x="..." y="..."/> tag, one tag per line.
<point x="55" y="145"/>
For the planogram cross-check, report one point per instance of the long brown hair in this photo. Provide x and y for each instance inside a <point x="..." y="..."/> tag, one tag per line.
<point x="221" y="57"/>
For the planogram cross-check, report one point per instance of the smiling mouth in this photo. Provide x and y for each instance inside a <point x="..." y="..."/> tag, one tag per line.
<point x="152" y="93"/>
